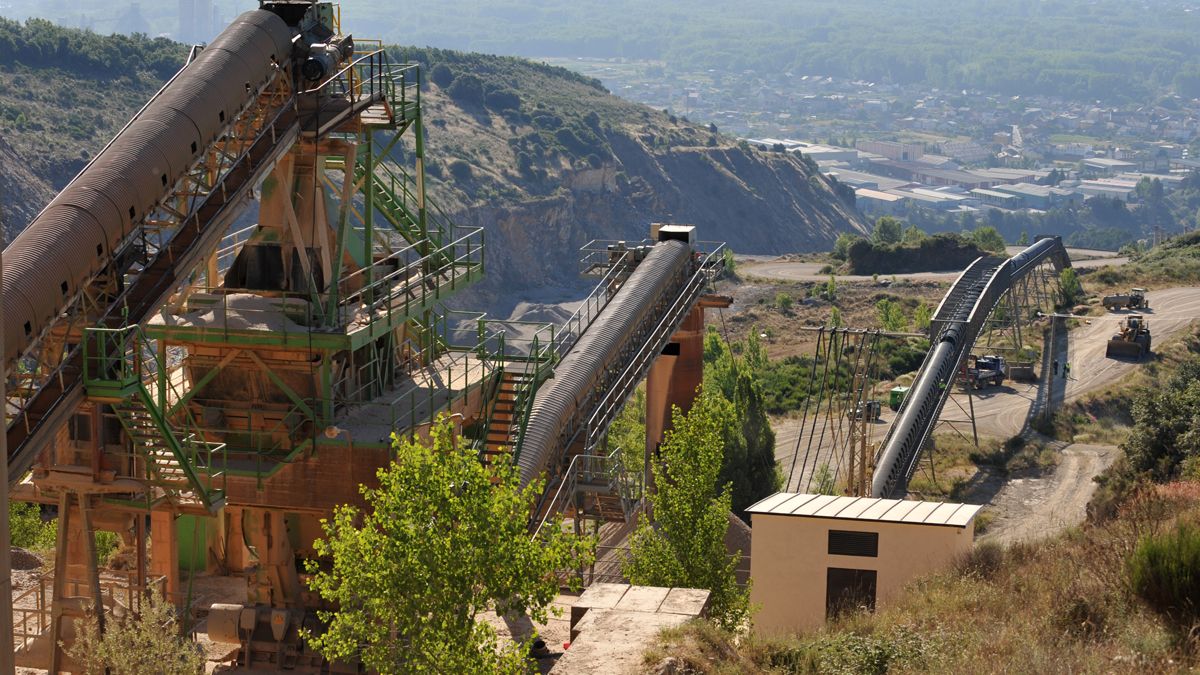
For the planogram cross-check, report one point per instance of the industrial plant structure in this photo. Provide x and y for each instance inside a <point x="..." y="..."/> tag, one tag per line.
<point x="226" y="382"/>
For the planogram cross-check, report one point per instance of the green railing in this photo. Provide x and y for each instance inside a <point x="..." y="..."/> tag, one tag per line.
<point x="120" y="364"/>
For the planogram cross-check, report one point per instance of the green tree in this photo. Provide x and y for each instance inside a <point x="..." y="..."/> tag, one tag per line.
<point x="835" y="317"/>
<point x="147" y="643"/>
<point x="685" y="544"/>
<point x="891" y="315"/>
<point x="783" y="301"/>
<point x="841" y="247"/>
<point x="1070" y="288"/>
<point x="887" y="231"/>
<point x="922" y="315"/>
<point x="1023" y="240"/>
<point x="913" y="236"/>
<point x="443" y="539"/>
<point x="988" y="239"/>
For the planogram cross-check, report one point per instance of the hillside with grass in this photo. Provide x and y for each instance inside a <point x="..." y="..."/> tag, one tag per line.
<point x="541" y="157"/>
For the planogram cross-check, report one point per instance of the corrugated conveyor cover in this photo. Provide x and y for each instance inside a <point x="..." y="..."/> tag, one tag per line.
<point x="76" y="235"/>
<point x="664" y="270"/>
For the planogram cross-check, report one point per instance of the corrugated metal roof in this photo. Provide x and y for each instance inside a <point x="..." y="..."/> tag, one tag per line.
<point x="867" y="508"/>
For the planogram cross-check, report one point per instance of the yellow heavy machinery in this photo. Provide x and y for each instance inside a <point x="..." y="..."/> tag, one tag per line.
<point x="1132" y="338"/>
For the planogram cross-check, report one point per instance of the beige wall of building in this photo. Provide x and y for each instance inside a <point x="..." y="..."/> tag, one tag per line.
<point x="789" y="563"/>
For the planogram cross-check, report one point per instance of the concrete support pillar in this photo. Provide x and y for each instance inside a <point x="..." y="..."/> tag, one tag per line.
<point x="675" y="377"/>
<point x="274" y="581"/>
<point x="164" y="551"/>
<point x="236" y="554"/>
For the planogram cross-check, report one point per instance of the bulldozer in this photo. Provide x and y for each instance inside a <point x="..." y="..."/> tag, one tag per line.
<point x="1132" y="338"/>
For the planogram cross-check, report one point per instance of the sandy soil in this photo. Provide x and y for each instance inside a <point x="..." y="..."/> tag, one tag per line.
<point x="1032" y="508"/>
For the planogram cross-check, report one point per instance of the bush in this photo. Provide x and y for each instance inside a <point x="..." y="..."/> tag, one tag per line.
<point x="27" y="528"/>
<point x="467" y="91"/>
<point x="1165" y="572"/>
<point x="441" y="75"/>
<point x="460" y="170"/>
<point x="783" y="301"/>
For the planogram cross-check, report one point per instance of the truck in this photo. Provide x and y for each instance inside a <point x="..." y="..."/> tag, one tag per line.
<point x="896" y="397"/>
<point x="1132" y="338"/>
<point x="985" y="370"/>
<point x="1134" y="299"/>
<point x="872" y="410"/>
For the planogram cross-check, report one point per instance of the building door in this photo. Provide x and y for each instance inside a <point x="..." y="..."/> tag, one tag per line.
<point x="847" y="589"/>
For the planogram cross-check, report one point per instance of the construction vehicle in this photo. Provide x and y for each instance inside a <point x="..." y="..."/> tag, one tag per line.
<point x="1132" y="338"/>
<point x="1134" y="299"/>
<point x="896" y="397"/>
<point x="870" y="409"/>
<point x="985" y="370"/>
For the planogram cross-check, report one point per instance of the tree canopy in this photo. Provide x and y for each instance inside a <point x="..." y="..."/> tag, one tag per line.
<point x="442" y="539"/>
<point x="684" y="544"/>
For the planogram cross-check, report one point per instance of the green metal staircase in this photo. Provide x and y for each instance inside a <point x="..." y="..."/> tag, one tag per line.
<point x="181" y="467"/>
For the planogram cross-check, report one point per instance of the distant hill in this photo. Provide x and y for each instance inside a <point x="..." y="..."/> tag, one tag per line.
<point x="541" y="157"/>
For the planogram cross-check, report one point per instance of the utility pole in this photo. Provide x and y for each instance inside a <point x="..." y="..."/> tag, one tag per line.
<point x="7" y="655"/>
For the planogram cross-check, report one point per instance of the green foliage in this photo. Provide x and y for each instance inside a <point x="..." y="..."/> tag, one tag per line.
<point x="1164" y="571"/>
<point x="841" y="247"/>
<point x="467" y="91"/>
<point x="1165" y="430"/>
<point x="1023" y="240"/>
<point x="922" y="315"/>
<point x="730" y="263"/>
<point x="748" y="463"/>
<point x="685" y="545"/>
<point x="628" y="432"/>
<point x="988" y="239"/>
<point x="913" y="236"/>
<point x="887" y="231"/>
<point x="937" y="252"/>
<point x="443" y="538"/>
<point x="835" y="317"/>
<point x="891" y="315"/>
<point x="823" y="480"/>
<point x="783" y="300"/>
<point x="441" y="75"/>
<point x="27" y="528"/>
<point x="828" y="292"/>
<point x="40" y="43"/>
<point x="1070" y="288"/>
<point x="145" y="644"/>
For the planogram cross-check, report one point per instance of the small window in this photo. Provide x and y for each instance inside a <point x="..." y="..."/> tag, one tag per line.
<point x="863" y="544"/>
<point x="81" y="428"/>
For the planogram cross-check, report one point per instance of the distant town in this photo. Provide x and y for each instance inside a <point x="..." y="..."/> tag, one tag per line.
<point x="902" y="148"/>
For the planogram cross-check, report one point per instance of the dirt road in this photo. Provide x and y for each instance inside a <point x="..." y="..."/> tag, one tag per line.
<point x="786" y="270"/>
<point x="1033" y="508"/>
<point x="1171" y="310"/>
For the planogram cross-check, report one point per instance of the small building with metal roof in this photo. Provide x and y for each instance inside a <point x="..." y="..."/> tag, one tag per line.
<point x="813" y="556"/>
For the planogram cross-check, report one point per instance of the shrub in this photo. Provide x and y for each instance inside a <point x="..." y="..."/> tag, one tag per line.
<point x="1165" y="572"/>
<point x="783" y="301"/>
<point x="460" y="170"/>
<point x="467" y="90"/>
<point x="27" y="528"/>
<point x="441" y="75"/>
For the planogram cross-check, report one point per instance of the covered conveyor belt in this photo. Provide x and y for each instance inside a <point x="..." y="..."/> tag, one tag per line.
<point x="957" y="323"/>
<point x="597" y="360"/>
<point x="185" y="166"/>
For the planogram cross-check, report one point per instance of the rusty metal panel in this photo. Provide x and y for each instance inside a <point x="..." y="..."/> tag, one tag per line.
<point x="100" y="207"/>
